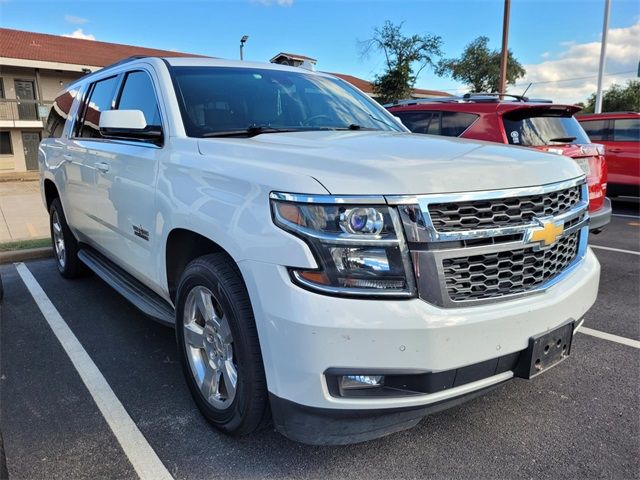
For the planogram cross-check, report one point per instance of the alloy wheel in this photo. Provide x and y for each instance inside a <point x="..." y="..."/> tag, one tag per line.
<point x="209" y="346"/>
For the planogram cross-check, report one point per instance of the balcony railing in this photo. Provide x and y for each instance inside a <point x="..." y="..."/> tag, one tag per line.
<point x="13" y="110"/>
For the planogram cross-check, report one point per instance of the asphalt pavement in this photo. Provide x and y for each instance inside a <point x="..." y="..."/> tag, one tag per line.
<point x="579" y="420"/>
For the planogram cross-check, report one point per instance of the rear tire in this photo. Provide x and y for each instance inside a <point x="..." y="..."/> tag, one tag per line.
<point x="218" y="345"/>
<point x="65" y="245"/>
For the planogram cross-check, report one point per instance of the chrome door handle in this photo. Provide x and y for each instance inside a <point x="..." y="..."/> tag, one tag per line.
<point x="102" y="166"/>
<point x="67" y="157"/>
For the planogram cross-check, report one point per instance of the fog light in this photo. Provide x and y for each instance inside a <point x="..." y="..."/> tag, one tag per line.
<point x="351" y="382"/>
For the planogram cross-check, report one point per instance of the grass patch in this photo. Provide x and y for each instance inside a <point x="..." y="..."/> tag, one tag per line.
<point x="25" y="244"/>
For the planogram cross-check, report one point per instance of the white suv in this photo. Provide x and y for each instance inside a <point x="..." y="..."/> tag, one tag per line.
<point x="322" y="266"/>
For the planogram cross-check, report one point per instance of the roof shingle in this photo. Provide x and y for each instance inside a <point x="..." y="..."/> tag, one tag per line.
<point x="55" y="48"/>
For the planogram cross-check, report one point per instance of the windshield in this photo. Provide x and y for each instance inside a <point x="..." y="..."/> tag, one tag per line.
<point x="215" y="100"/>
<point x="535" y="128"/>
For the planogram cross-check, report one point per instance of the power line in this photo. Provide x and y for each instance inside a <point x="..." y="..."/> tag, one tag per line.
<point x="574" y="78"/>
<point x="541" y="82"/>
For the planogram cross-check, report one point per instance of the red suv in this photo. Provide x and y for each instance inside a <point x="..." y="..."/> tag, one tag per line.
<point x="619" y="132"/>
<point x="537" y="124"/>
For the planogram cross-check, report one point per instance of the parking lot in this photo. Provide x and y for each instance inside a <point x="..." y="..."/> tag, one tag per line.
<point x="580" y="419"/>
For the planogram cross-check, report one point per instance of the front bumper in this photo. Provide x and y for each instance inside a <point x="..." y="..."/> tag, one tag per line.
<point x="303" y="334"/>
<point x="601" y="217"/>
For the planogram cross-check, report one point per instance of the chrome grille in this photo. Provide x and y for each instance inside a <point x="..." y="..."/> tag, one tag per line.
<point x="487" y="246"/>
<point x="500" y="212"/>
<point x="496" y="274"/>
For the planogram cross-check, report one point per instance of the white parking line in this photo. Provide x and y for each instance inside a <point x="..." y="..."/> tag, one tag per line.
<point x="608" y="336"/>
<point x="626" y="216"/>
<point x="610" y="249"/>
<point x="143" y="458"/>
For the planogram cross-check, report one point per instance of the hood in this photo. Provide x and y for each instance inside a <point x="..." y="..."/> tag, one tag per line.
<point x="393" y="163"/>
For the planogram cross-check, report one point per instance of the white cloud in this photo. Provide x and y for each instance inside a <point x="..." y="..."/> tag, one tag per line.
<point x="279" y="3"/>
<point x="75" y="20"/>
<point x="78" y="33"/>
<point x="579" y="61"/>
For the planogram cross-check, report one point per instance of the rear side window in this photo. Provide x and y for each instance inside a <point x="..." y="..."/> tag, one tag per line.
<point x="101" y="95"/>
<point x="417" y="122"/>
<point x="626" y="130"/>
<point x="58" y="115"/>
<point x="533" y="128"/>
<point x="596" y="129"/>
<point x="138" y="94"/>
<point x="453" y="124"/>
<point x="448" y="124"/>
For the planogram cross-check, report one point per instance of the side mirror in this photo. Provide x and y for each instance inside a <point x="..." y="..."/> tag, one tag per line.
<point x="129" y="124"/>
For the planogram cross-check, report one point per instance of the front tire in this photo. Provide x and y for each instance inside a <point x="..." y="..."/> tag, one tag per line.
<point x="218" y="345"/>
<point x="65" y="245"/>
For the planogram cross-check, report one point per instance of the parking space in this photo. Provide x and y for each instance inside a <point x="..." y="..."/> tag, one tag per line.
<point x="580" y="419"/>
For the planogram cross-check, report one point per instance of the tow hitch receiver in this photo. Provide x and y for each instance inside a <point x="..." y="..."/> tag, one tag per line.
<point x="545" y="351"/>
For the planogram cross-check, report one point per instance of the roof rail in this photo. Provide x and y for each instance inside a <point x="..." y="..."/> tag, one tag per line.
<point x="471" y="95"/>
<point x="418" y="101"/>
<point x="125" y="60"/>
<point x="480" y="97"/>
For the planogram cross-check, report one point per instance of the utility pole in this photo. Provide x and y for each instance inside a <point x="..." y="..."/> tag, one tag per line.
<point x="242" y="42"/>
<point x="502" y="87"/>
<point x="603" y="55"/>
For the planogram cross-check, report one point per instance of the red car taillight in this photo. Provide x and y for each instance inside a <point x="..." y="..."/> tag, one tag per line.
<point x="597" y="182"/>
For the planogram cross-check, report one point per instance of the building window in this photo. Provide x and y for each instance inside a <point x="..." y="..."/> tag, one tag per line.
<point x="5" y="143"/>
<point x="1" y="88"/>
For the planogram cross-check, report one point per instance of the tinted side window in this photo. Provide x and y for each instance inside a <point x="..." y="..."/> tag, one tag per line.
<point x="100" y="97"/>
<point x="417" y="122"/>
<point x="626" y="130"/>
<point x="596" y="129"/>
<point x="138" y="94"/>
<point x="58" y="115"/>
<point x="455" y="123"/>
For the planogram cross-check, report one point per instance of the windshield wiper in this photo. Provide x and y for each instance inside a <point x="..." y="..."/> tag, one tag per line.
<point x="250" y="131"/>
<point x="355" y="126"/>
<point x="562" y="139"/>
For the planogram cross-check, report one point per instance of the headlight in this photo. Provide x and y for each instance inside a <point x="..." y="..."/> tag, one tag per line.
<point x="359" y="247"/>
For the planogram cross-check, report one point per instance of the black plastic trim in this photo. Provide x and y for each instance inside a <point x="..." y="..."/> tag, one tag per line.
<point x="326" y="426"/>
<point x="141" y="296"/>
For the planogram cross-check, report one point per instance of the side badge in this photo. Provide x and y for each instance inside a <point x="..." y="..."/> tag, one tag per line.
<point x="138" y="231"/>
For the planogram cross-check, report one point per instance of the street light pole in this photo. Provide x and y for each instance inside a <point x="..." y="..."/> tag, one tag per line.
<point x="603" y="55"/>
<point x="505" y="47"/>
<point x="242" y="42"/>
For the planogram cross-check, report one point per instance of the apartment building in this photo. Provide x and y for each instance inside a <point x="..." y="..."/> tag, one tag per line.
<point x="33" y="69"/>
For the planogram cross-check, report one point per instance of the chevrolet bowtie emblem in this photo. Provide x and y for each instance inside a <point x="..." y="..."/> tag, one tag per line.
<point x="547" y="233"/>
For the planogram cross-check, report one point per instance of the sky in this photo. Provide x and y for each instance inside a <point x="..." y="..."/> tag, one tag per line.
<point x="558" y="41"/>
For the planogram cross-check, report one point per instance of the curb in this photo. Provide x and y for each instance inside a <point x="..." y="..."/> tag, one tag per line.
<point x="27" y="254"/>
<point x="30" y="176"/>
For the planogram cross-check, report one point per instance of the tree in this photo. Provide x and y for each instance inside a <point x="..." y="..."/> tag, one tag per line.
<point x="405" y="56"/>
<point x="479" y="67"/>
<point x="617" y="98"/>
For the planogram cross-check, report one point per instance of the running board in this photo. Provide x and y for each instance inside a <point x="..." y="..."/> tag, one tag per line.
<point x="141" y="296"/>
